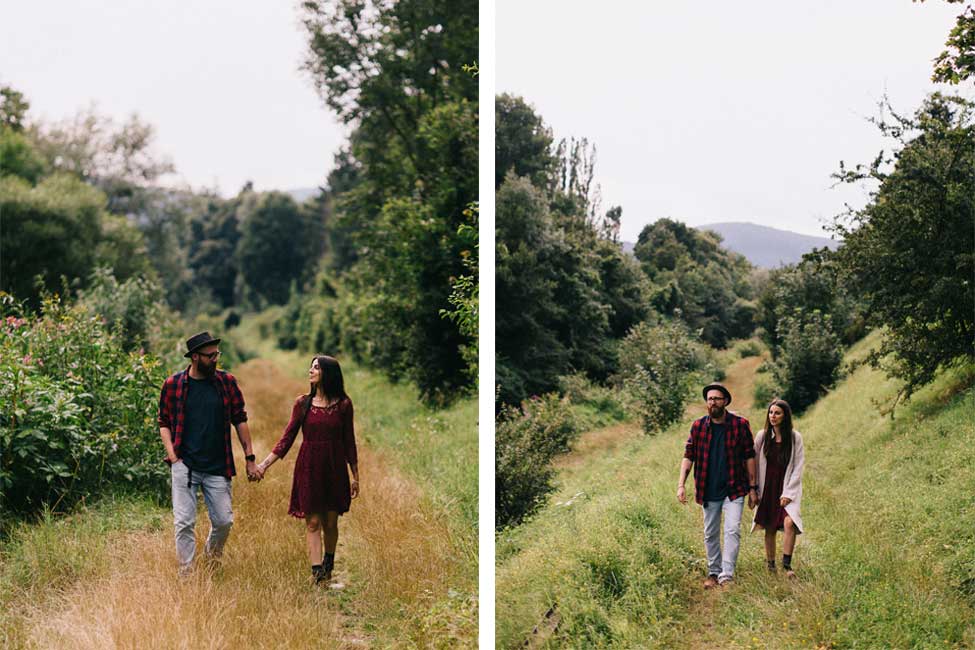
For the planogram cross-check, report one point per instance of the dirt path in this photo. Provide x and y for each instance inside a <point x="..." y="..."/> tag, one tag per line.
<point x="394" y="555"/>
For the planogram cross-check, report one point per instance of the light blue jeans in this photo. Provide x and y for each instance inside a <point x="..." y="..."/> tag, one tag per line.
<point x="722" y="564"/>
<point x="216" y="494"/>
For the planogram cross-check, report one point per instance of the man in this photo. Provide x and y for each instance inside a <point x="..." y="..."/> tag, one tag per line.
<point x="196" y="408"/>
<point x="722" y="452"/>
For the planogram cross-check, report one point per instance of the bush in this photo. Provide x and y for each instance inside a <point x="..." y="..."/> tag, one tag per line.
<point x="79" y="413"/>
<point x="808" y="359"/>
<point x="526" y="440"/>
<point x="659" y="364"/>
<point x="604" y="402"/>
<point x="749" y="348"/>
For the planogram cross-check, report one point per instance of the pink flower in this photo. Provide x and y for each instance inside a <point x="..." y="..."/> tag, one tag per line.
<point x="27" y="359"/>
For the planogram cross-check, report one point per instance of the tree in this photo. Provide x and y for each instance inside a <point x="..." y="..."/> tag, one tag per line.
<point x="659" y="364"/>
<point x="116" y="158"/>
<point x="957" y="62"/>
<point x="909" y="254"/>
<point x="279" y="244"/>
<point x="48" y="231"/>
<point x="692" y="273"/>
<point x="522" y="142"/>
<point x="13" y="109"/>
<point x="395" y="73"/>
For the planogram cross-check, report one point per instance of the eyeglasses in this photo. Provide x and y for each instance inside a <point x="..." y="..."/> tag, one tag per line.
<point x="716" y="399"/>
<point x="211" y="356"/>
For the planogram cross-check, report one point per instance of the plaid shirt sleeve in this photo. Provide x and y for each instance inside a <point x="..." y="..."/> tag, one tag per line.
<point x="237" y="412"/>
<point x="166" y="398"/>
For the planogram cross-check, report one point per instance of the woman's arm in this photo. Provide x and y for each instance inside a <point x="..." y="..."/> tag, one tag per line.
<point x="287" y="438"/>
<point x="348" y="441"/>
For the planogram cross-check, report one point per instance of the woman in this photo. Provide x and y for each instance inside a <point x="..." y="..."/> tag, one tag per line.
<point x="780" y="459"/>
<point x="321" y="490"/>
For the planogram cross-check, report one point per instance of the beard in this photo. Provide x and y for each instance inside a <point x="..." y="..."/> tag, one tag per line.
<point x="716" y="411"/>
<point x="207" y="368"/>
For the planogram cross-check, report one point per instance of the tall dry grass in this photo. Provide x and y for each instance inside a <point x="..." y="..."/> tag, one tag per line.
<point x="396" y="558"/>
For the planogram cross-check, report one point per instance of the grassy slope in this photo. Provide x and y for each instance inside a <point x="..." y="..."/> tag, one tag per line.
<point x="409" y="544"/>
<point x="887" y="561"/>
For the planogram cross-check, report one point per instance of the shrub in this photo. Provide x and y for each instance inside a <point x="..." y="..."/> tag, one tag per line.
<point x="659" y="364"/>
<point x="603" y="402"/>
<point x="808" y="359"/>
<point x="79" y="413"/>
<point x="749" y="348"/>
<point x="526" y="440"/>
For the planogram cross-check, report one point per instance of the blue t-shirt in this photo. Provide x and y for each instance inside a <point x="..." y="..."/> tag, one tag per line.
<point x="716" y="482"/>
<point x="202" y="449"/>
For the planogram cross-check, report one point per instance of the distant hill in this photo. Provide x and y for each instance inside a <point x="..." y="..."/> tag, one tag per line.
<point x="763" y="246"/>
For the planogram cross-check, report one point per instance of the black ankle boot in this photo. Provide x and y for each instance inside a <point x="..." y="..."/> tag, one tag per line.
<point x="318" y="573"/>
<point x="328" y="563"/>
<point x="771" y="565"/>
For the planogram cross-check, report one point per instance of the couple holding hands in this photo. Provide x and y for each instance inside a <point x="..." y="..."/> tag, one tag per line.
<point x="729" y="466"/>
<point x="196" y="410"/>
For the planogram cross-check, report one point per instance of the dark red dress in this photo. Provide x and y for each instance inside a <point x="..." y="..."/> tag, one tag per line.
<point x="321" y="480"/>
<point x="770" y="515"/>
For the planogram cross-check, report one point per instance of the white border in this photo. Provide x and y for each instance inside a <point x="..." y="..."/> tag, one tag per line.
<point x="486" y="11"/>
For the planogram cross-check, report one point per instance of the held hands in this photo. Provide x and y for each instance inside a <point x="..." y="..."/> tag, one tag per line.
<point x="255" y="472"/>
<point x="784" y="501"/>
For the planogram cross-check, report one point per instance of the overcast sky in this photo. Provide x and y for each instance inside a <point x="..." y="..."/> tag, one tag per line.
<point x="218" y="79"/>
<point x="721" y="111"/>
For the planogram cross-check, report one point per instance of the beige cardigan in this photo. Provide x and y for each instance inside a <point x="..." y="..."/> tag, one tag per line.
<point x="792" y="485"/>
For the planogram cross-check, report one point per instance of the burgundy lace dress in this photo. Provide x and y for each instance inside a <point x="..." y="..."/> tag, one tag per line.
<point x="771" y="515"/>
<point x="321" y="480"/>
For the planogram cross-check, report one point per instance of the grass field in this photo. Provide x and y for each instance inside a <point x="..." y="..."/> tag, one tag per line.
<point x="105" y="577"/>
<point x="887" y="560"/>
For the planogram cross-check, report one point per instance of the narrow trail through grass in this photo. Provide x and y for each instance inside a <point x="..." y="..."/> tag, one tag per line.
<point x="887" y="560"/>
<point x="404" y="567"/>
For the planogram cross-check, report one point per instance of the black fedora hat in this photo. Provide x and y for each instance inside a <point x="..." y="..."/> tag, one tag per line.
<point x="197" y="341"/>
<point x="716" y="386"/>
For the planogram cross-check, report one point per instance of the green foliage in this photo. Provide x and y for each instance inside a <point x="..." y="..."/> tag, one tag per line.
<point x="13" y="109"/>
<point x="522" y="142"/>
<point x="660" y="363"/>
<point x="398" y="195"/>
<point x="909" y="255"/>
<point x="814" y="283"/>
<point x="957" y="63"/>
<point x="691" y="272"/>
<point x="79" y="416"/>
<point x="130" y="309"/>
<point x="464" y="297"/>
<point x="604" y="403"/>
<point x="526" y="440"/>
<point x="561" y="291"/>
<point x="19" y="158"/>
<point x="279" y="243"/>
<point x="807" y="363"/>
<point x="48" y="230"/>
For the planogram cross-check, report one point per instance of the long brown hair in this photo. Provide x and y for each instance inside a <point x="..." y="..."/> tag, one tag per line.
<point x="329" y="379"/>
<point x="785" y="429"/>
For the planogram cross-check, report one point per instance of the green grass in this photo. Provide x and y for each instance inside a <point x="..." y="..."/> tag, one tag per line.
<point x="887" y="560"/>
<point x="39" y="558"/>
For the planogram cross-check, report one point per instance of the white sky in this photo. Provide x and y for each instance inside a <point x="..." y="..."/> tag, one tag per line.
<point x="721" y="111"/>
<point x="218" y="79"/>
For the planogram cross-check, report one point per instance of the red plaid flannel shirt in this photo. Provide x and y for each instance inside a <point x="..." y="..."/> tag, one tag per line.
<point x="740" y="446"/>
<point x="172" y="403"/>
